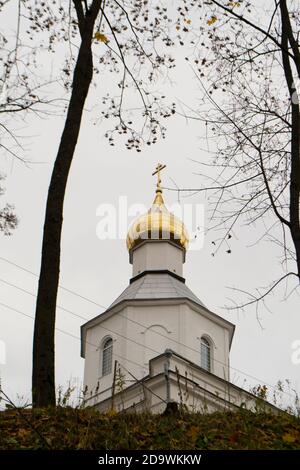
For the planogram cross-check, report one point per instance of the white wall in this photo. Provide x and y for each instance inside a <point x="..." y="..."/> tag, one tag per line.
<point x="187" y="385"/>
<point x="142" y="331"/>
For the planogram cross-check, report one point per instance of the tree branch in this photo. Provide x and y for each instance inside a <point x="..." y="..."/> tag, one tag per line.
<point x="253" y="25"/>
<point x="261" y="297"/>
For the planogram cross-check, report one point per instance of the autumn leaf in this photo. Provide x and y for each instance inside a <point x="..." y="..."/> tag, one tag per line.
<point x="212" y="20"/>
<point x="101" y="37"/>
<point x="193" y="432"/>
<point x="233" y="438"/>
<point x="289" y="437"/>
<point x="234" y="4"/>
<point x="23" y="433"/>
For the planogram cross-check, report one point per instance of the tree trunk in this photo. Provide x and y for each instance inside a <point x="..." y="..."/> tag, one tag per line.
<point x="288" y="40"/>
<point x="295" y="183"/>
<point x="43" y="377"/>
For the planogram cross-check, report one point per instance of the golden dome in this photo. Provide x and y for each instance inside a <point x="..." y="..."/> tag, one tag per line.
<point x="157" y="224"/>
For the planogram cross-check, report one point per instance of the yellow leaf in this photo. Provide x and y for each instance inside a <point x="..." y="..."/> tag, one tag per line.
<point x="212" y="20"/>
<point x="188" y="21"/>
<point x="234" y="4"/>
<point x="289" y="437"/>
<point x="22" y="433"/>
<point x="101" y="37"/>
<point x="193" y="432"/>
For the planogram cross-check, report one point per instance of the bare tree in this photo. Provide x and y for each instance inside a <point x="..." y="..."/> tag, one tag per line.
<point x="248" y="67"/>
<point x="132" y="35"/>
<point x="23" y="89"/>
<point x="21" y="92"/>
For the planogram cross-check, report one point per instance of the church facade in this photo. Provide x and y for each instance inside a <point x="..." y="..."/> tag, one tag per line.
<point x="158" y="343"/>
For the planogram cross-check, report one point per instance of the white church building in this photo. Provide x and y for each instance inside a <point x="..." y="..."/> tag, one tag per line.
<point x="157" y="343"/>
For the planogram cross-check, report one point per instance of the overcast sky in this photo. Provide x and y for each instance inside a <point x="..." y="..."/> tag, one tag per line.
<point x="99" y="269"/>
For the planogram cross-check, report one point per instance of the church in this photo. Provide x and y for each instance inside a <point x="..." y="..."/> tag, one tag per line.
<point x="158" y="344"/>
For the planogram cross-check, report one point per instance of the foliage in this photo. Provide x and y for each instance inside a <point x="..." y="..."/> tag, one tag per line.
<point x="131" y="43"/>
<point x="69" y="428"/>
<point x="8" y="219"/>
<point x="26" y="85"/>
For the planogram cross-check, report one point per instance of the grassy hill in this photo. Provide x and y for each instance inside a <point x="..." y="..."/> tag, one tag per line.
<point x="69" y="428"/>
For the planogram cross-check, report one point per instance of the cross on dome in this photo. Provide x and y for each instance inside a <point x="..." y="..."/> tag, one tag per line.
<point x="157" y="171"/>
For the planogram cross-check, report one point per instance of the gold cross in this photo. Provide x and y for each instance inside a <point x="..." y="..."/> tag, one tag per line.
<point x="157" y="171"/>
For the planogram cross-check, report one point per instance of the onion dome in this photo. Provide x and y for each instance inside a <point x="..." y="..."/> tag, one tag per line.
<point x="157" y="224"/>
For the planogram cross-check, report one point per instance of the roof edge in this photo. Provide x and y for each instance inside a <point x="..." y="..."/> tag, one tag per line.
<point x="157" y="271"/>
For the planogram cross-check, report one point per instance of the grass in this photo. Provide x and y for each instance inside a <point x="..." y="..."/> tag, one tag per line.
<point x="71" y="428"/>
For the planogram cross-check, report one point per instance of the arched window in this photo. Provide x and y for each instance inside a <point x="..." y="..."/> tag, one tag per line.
<point x="205" y="354"/>
<point x="107" y="352"/>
